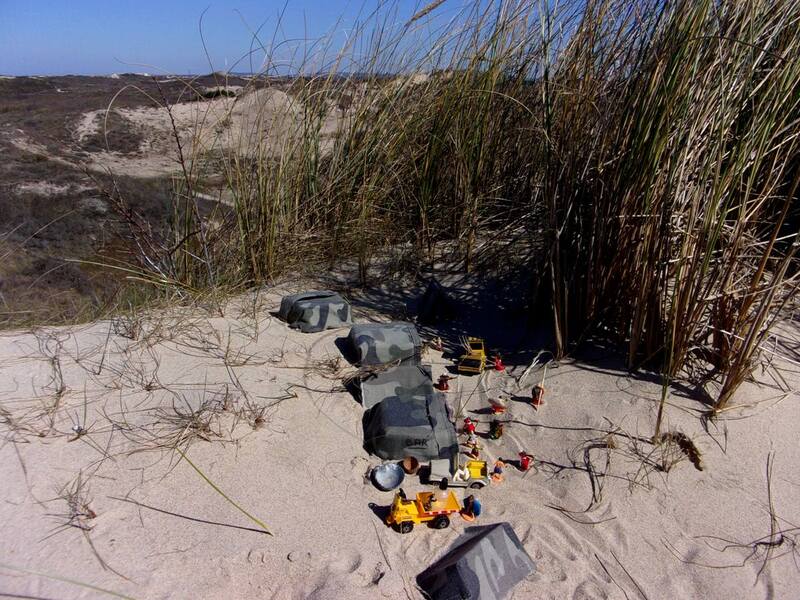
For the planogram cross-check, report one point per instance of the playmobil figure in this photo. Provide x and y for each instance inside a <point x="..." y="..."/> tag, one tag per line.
<point x="472" y="508"/>
<point x="495" y="429"/>
<point x="537" y="396"/>
<point x="497" y="472"/>
<point x="498" y="363"/>
<point x="443" y="385"/>
<point x="469" y="426"/>
<point x="524" y="461"/>
<point x="474" y="450"/>
<point x="498" y="405"/>
<point x="461" y="475"/>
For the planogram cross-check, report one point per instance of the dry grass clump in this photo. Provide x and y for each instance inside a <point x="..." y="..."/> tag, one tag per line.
<point x="128" y="326"/>
<point x="254" y="414"/>
<point x="181" y="424"/>
<point x="640" y="158"/>
<point x="78" y="513"/>
<point x="355" y="375"/>
<point x="636" y="459"/>
<point x="176" y="425"/>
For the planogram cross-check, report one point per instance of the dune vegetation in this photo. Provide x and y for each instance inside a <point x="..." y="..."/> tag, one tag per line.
<point x="638" y="159"/>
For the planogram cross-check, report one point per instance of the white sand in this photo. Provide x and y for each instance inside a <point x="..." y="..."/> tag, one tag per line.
<point x="302" y="474"/>
<point x="46" y="188"/>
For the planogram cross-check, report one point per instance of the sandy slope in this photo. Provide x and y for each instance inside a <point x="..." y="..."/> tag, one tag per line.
<point x="302" y="472"/>
<point x="257" y="123"/>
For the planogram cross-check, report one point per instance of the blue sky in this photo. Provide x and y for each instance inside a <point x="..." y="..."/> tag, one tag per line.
<point x="51" y="37"/>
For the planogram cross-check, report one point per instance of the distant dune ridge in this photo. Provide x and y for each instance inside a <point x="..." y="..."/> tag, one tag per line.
<point x="219" y="124"/>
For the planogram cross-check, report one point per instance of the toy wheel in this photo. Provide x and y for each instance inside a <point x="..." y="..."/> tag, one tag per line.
<point x="441" y="522"/>
<point x="406" y="527"/>
<point x="476" y="486"/>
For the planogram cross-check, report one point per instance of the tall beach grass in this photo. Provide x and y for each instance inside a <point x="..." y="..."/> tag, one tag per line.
<point x="642" y="156"/>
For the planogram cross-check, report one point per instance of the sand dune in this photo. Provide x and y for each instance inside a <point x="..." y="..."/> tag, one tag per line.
<point x="259" y="121"/>
<point x="114" y="507"/>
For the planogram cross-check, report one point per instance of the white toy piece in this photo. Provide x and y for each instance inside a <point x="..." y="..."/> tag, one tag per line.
<point x="461" y="474"/>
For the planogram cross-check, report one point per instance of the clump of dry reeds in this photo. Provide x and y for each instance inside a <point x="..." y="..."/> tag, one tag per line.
<point x="78" y="513"/>
<point x="639" y="157"/>
<point x="175" y="425"/>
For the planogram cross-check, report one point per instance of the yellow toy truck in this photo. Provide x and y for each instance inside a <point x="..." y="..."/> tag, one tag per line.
<point x="425" y="508"/>
<point x="474" y="359"/>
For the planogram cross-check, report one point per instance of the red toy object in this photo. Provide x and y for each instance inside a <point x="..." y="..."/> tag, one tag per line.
<point x="498" y="363"/>
<point x="469" y="426"/>
<point x="443" y="385"/>
<point x="537" y="396"/>
<point x="524" y="461"/>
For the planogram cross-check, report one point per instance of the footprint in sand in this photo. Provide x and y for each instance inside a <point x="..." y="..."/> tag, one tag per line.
<point x="559" y="492"/>
<point x="549" y="568"/>
<point x="298" y="556"/>
<point x="589" y="590"/>
<point x="346" y="563"/>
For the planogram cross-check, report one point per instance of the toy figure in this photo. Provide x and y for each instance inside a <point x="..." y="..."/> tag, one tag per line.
<point x="443" y="385"/>
<point x="474" y="450"/>
<point x="461" y="474"/>
<point x="469" y="426"/>
<point x="498" y="405"/>
<point x="537" y="396"/>
<point x="437" y="344"/>
<point x="437" y="498"/>
<point x="472" y="508"/>
<point x="495" y="429"/>
<point x="524" y="461"/>
<point x="498" y="363"/>
<point x="497" y="472"/>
